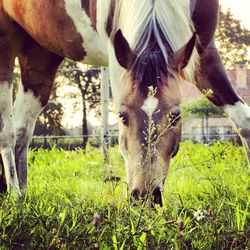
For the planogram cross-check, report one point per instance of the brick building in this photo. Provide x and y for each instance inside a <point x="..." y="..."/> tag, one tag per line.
<point x="217" y="127"/>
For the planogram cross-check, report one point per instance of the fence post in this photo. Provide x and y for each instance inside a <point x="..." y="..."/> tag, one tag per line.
<point x="105" y="111"/>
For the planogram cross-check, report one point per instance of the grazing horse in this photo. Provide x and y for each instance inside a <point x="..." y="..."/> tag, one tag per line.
<point x="149" y="46"/>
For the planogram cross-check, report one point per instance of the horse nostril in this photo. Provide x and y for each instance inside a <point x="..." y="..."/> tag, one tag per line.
<point x="136" y="194"/>
<point x="157" y="196"/>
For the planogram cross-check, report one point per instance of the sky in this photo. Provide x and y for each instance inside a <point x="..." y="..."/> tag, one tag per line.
<point x="240" y="10"/>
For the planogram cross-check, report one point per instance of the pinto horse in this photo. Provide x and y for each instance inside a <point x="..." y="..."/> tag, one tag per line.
<point x="149" y="46"/>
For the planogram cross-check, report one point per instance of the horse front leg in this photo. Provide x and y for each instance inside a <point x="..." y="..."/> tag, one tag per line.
<point x="7" y="136"/>
<point x="212" y="77"/>
<point x="26" y="110"/>
<point x="38" y="68"/>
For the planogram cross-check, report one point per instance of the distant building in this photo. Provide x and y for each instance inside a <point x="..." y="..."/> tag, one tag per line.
<point x="240" y="77"/>
<point x="218" y="127"/>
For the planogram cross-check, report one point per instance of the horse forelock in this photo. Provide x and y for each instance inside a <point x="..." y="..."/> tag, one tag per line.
<point x="150" y="66"/>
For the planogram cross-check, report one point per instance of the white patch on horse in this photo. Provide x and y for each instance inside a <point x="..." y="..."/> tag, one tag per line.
<point x="102" y="13"/>
<point x="92" y="43"/>
<point x="7" y="136"/>
<point x="27" y="107"/>
<point x="125" y="155"/>
<point x="239" y="113"/>
<point x="10" y="169"/>
<point x="150" y="105"/>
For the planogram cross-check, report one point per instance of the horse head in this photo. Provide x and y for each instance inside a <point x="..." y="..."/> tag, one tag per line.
<point x="149" y="111"/>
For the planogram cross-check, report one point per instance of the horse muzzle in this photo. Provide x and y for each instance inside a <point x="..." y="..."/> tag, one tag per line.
<point x="154" y="197"/>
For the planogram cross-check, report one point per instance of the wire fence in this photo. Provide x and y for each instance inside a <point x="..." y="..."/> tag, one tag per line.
<point x="208" y="138"/>
<point x="73" y="142"/>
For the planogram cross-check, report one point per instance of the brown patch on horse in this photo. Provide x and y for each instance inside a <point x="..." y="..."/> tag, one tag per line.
<point x="49" y="24"/>
<point x="38" y="69"/>
<point x="205" y="18"/>
<point x="109" y="22"/>
<point x="11" y="41"/>
<point x="1" y="123"/>
<point x="92" y="11"/>
<point x="212" y="76"/>
<point x="90" y="7"/>
<point x="85" y="5"/>
<point x="19" y="11"/>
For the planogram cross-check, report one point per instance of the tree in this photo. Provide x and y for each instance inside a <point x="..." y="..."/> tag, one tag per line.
<point x="233" y="40"/>
<point x="87" y="81"/>
<point x="202" y="108"/>
<point x="50" y="120"/>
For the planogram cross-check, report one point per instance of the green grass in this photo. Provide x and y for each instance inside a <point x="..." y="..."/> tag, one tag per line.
<point x="69" y="205"/>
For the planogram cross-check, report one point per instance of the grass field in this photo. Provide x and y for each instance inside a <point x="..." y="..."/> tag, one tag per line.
<point x="69" y="205"/>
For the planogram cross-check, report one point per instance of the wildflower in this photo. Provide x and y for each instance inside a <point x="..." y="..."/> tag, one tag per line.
<point x="210" y="212"/>
<point x="97" y="232"/>
<point x="181" y="229"/>
<point x="181" y="225"/>
<point x="234" y="243"/>
<point x="199" y="215"/>
<point x="61" y="241"/>
<point x="54" y="231"/>
<point x="96" y="219"/>
<point x="181" y="236"/>
<point x="54" y="241"/>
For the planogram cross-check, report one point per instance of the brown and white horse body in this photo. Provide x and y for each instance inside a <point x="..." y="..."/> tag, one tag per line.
<point x="124" y="35"/>
<point x="40" y="34"/>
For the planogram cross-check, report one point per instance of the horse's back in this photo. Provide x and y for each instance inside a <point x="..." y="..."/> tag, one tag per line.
<point x="50" y="23"/>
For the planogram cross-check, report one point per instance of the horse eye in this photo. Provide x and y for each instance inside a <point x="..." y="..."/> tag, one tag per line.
<point x="174" y="118"/>
<point x="124" y="118"/>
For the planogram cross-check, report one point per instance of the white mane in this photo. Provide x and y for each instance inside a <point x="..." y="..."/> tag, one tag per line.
<point x="138" y="19"/>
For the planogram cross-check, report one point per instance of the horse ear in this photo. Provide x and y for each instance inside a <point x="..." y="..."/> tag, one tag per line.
<point x="124" y="54"/>
<point x="181" y="57"/>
